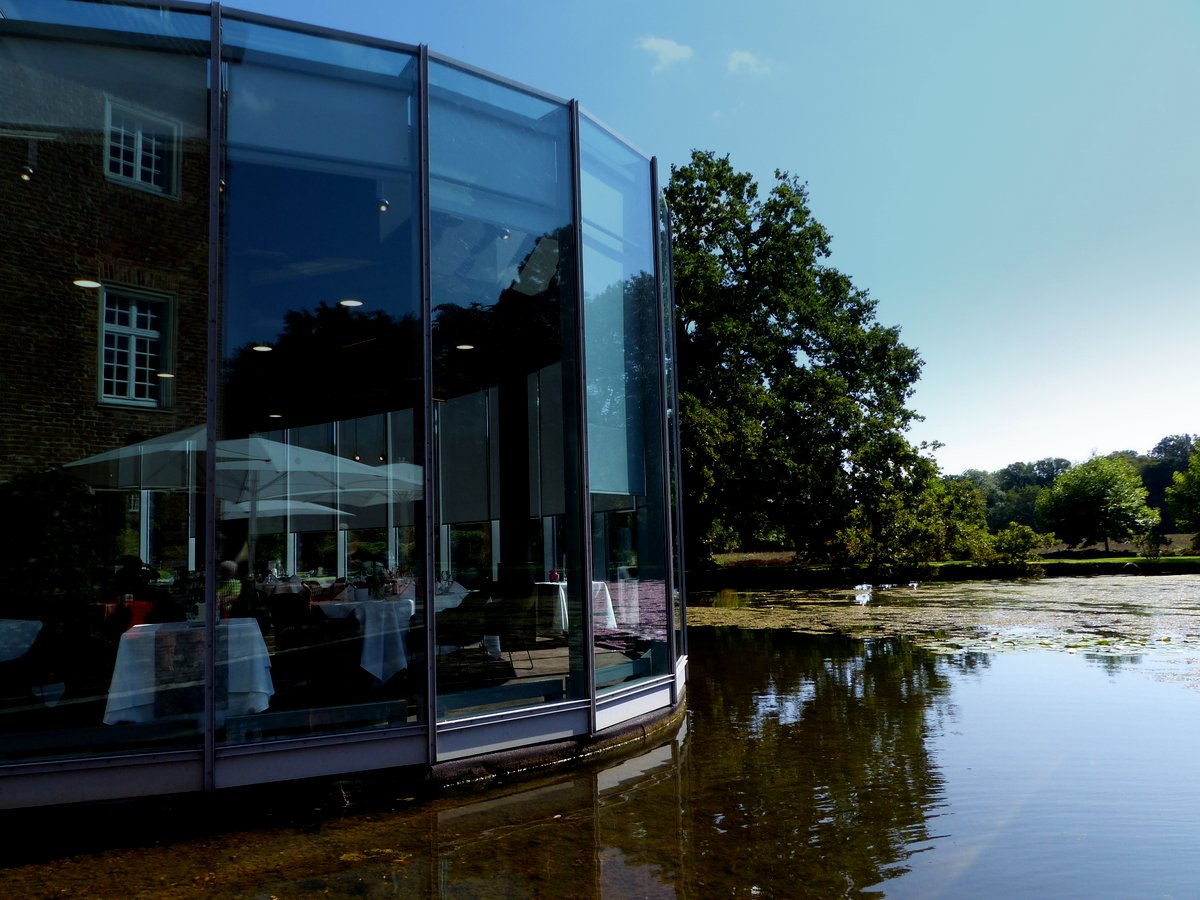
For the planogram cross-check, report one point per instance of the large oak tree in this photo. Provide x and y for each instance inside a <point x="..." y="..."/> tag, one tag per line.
<point x="793" y="398"/>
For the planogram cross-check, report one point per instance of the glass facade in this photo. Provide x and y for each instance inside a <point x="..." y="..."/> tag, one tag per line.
<point x="336" y="404"/>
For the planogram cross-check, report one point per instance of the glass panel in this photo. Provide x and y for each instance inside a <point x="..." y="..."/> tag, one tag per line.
<point x="624" y="396"/>
<point x="509" y="599"/>
<point x="320" y="473"/>
<point x="675" y="508"/>
<point x="103" y="392"/>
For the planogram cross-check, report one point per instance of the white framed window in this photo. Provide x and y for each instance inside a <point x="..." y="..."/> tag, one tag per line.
<point x="135" y="357"/>
<point x="141" y="149"/>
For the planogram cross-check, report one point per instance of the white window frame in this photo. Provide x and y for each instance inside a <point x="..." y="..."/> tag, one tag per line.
<point x="141" y="149"/>
<point x="133" y="353"/>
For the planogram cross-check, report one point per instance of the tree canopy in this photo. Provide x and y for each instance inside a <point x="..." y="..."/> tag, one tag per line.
<point x="1183" y="496"/>
<point x="793" y="399"/>
<point x="1096" y="501"/>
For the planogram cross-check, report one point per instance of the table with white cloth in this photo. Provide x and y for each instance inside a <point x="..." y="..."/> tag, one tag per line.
<point x="602" y="605"/>
<point x="384" y="625"/>
<point x="448" y="597"/>
<point x="159" y="672"/>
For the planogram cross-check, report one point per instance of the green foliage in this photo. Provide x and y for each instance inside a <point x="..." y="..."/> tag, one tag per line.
<point x="1098" y="500"/>
<point x="1170" y="457"/>
<point x="1016" y="546"/>
<point x="1151" y="543"/>
<point x="1183" y="496"/>
<point x="921" y="518"/>
<point x="793" y="399"/>
<point x="1019" y="505"/>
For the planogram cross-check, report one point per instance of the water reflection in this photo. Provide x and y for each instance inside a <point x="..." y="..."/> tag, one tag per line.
<point x="807" y="766"/>
<point x="798" y="751"/>
<point x="821" y="764"/>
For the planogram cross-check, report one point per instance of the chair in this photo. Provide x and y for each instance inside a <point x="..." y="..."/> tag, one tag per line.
<point x="463" y="625"/>
<point x="514" y="620"/>
<point x="288" y="613"/>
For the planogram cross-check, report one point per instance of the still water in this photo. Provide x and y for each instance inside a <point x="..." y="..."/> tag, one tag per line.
<point x="809" y="765"/>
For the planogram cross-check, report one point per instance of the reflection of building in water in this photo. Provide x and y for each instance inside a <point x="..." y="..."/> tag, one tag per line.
<point x="628" y="834"/>
<point x="379" y="333"/>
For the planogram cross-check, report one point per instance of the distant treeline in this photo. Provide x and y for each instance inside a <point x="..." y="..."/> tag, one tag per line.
<point x="1024" y="493"/>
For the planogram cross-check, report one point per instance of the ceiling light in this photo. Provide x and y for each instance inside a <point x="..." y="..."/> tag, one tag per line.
<point x="350" y="302"/>
<point x="27" y="173"/>
<point x="262" y="348"/>
<point x="274" y="415"/>
<point x="382" y="204"/>
<point x="86" y="283"/>
<point x="464" y="346"/>
<point x="165" y="374"/>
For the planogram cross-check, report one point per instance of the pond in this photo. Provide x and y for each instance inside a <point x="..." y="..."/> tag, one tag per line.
<point x="1038" y="740"/>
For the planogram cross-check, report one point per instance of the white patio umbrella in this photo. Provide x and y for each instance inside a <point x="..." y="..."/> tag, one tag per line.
<point x="258" y="469"/>
<point x="165" y="462"/>
<point x="257" y="477"/>
<point x="251" y="469"/>
<point x="267" y="508"/>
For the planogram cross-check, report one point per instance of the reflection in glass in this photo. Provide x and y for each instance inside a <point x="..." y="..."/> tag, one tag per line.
<point x="319" y="475"/>
<point x="624" y="397"/>
<point x="104" y="279"/>
<point x="508" y="609"/>
<point x="278" y="422"/>
<point x="671" y="402"/>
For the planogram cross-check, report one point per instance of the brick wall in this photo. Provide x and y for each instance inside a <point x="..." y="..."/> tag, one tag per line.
<point x="69" y="221"/>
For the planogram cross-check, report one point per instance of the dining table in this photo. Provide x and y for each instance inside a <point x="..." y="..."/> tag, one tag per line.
<point x="602" y="605"/>
<point x="159" y="672"/>
<point x="384" y="623"/>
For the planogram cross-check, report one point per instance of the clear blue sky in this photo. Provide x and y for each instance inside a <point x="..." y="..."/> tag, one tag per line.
<point x="1017" y="184"/>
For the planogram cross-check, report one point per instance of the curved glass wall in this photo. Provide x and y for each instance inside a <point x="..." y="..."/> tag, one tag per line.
<point x="630" y="604"/>
<point x="509" y="623"/>
<point x="334" y="408"/>
<point x="104" y="282"/>
<point x="319" y="472"/>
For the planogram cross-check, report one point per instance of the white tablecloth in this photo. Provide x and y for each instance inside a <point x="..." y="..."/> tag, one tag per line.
<point x="148" y="662"/>
<point x="384" y="626"/>
<point x="449" y="597"/>
<point x="602" y="605"/>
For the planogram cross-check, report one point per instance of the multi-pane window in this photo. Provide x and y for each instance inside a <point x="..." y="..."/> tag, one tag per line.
<point x="141" y="149"/>
<point x="134" y="349"/>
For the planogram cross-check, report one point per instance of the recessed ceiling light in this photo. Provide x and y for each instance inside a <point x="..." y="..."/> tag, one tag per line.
<point x="262" y="348"/>
<point x="350" y="302"/>
<point x="464" y="346"/>
<point x="274" y="415"/>
<point x="165" y="374"/>
<point x="86" y="283"/>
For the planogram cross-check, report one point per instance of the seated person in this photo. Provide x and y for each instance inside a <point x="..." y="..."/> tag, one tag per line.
<point x="229" y="588"/>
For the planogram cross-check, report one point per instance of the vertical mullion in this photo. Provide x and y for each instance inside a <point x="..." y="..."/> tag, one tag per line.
<point x="673" y="433"/>
<point x="216" y="90"/>
<point x="581" y="436"/>
<point x="664" y="433"/>
<point x="431" y="686"/>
